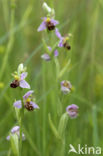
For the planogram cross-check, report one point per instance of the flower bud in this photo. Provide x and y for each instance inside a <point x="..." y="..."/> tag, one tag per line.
<point x="46" y="7"/>
<point x="20" y="68"/>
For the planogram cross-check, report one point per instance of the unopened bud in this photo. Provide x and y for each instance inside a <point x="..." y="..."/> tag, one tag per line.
<point x="46" y="7"/>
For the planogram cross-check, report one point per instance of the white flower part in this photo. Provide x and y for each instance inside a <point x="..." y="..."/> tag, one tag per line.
<point x="20" y="68"/>
<point x="65" y="90"/>
<point x="46" y="7"/>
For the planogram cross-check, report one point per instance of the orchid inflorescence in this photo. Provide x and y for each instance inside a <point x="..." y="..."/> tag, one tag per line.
<point x="27" y="101"/>
<point x="50" y="24"/>
<point x="19" y="81"/>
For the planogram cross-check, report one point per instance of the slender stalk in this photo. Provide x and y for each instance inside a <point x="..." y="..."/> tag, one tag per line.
<point x="21" y="117"/>
<point x="44" y="110"/>
<point x="20" y="137"/>
<point x="21" y="126"/>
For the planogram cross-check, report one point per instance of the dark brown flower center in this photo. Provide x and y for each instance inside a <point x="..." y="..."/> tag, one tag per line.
<point x="66" y="45"/>
<point x="14" y="84"/>
<point x="29" y="106"/>
<point x="50" y="25"/>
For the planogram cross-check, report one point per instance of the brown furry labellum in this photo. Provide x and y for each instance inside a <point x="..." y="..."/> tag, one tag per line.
<point x="29" y="106"/>
<point x="50" y="26"/>
<point x="14" y="84"/>
<point x="66" y="45"/>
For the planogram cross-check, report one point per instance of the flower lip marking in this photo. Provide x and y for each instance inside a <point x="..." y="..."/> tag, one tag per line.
<point x="29" y="106"/>
<point x="28" y="101"/>
<point x="66" y="86"/>
<point x="14" y="84"/>
<point x="63" y="40"/>
<point x="47" y="23"/>
<point x="72" y="110"/>
<point x="50" y="26"/>
<point x="51" y="23"/>
<point x="66" y="45"/>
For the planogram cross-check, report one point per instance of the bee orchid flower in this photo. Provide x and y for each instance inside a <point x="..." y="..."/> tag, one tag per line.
<point x="19" y="79"/>
<point x="63" y="40"/>
<point x="66" y="86"/>
<point x="47" y="23"/>
<point x="72" y="110"/>
<point x="28" y="101"/>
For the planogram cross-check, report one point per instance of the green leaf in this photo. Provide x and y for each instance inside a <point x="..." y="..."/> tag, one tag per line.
<point x="53" y="128"/>
<point x="15" y="144"/>
<point x="62" y="72"/>
<point x="62" y="125"/>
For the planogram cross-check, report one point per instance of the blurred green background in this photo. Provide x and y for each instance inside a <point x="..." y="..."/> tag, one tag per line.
<point x="21" y="43"/>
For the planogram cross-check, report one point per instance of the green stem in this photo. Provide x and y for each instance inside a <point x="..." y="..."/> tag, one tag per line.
<point x="21" y="117"/>
<point x="21" y="126"/>
<point x="44" y="110"/>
